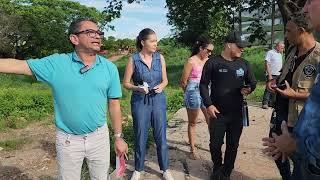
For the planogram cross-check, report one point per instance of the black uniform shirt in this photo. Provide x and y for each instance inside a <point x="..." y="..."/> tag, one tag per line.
<point x="226" y="78"/>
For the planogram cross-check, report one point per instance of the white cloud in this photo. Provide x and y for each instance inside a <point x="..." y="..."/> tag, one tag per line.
<point x="129" y="27"/>
<point x="133" y="7"/>
<point x="134" y="17"/>
<point x="98" y="4"/>
<point x="139" y="8"/>
<point x="160" y="30"/>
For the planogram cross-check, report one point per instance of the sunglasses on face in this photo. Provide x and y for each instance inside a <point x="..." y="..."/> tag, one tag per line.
<point x="209" y="50"/>
<point x="91" y="33"/>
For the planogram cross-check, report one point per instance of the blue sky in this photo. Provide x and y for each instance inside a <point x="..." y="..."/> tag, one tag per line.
<point x="135" y="17"/>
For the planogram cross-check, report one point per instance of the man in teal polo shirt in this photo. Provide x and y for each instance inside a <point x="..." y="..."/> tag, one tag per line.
<point x="85" y="86"/>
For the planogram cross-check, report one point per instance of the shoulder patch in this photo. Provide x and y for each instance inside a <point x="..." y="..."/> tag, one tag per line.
<point x="309" y="70"/>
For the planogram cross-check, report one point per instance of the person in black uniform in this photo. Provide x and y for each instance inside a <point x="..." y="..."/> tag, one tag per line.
<point x="231" y="78"/>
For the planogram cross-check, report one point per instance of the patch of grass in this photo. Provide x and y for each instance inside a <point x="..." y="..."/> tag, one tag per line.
<point x="14" y="144"/>
<point x="255" y="56"/>
<point x="22" y="105"/>
<point x="256" y="95"/>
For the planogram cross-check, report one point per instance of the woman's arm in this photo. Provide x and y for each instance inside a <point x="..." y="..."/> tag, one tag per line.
<point x="185" y="75"/>
<point x="127" y="78"/>
<point x="159" y="88"/>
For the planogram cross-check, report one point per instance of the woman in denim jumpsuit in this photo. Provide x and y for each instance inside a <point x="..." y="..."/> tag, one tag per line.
<point x="189" y="82"/>
<point x="147" y="70"/>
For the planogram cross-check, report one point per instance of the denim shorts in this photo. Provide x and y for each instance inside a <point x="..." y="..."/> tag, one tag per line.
<point x="192" y="98"/>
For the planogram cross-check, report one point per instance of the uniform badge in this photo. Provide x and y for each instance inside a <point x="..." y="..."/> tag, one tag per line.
<point x="223" y="70"/>
<point x="240" y="72"/>
<point x="309" y="70"/>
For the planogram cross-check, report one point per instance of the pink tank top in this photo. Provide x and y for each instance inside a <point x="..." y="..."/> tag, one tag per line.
<point x="196" y="73"/>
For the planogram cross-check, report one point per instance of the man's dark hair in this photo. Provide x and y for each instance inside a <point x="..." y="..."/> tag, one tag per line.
<point x="75" y="24"/>
<point x="300" y="19"/>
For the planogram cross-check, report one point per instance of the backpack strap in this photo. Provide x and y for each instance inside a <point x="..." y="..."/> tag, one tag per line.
<point x="289" y="50"/>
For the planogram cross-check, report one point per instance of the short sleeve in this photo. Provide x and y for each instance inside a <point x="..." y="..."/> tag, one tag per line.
<point x="43" y="68"/>
<point x="114" y="90"/>
<point x="268" y="56"/>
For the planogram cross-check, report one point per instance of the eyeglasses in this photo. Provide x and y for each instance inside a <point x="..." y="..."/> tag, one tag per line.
<point x="91" y="33"/>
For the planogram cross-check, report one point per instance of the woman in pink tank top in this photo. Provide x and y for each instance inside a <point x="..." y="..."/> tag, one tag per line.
<point x="189" y="82"/>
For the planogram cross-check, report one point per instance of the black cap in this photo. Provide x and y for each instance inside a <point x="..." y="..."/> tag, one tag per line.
<point x="237" y="38"/>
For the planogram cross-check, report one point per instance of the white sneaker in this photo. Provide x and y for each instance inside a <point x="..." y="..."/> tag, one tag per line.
<point x="167" y="175"/>
<point x="135" y="175"/>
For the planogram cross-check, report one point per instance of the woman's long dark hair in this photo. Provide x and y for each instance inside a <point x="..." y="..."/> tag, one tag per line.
<point x="143" y="35"/>
<point x="201" y="42"/>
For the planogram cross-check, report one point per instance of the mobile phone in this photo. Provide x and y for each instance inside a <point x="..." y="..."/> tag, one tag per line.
<point x="281" y="85"/>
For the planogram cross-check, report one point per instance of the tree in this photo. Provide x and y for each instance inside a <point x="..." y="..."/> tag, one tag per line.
<point x="110" y="44"/>
<point x="113" y="44"/>
<point x="48" y="22"/>
<point x="288" y="7"/>
<point x="126" y="44"/>
<point x="12" y="34"/>
<point x="194" y="18"/>
<point x="214" y="17"/>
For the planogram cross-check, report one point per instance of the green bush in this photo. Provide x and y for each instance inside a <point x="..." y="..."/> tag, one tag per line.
<point x="174" y="55"/>
<point x="256" y="95"/>
<point x="174" y="100"/>
<point x="19" y="106"/>
<point x="255" y="56"/>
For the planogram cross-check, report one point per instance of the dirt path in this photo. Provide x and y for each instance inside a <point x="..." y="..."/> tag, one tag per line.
<point x="115" y="58"/>
<point x="36" y="160"/>
<point x="250" y="164"/>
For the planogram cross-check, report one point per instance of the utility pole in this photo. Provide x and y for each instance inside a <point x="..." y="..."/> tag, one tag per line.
<point x="240" y="16"/>
<point x="272" y="22"/>
<point x="233" y="12"/>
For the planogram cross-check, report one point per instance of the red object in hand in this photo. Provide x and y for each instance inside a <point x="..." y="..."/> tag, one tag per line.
<point x="120" y="166"/>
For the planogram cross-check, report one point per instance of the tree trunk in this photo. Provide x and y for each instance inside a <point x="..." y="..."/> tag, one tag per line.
<point x="284" y="11"/>
<point x="240" y="18"/>
<point x="288" y="7"/>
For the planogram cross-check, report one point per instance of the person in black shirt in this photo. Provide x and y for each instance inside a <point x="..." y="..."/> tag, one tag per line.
<point x="227" y="73"/>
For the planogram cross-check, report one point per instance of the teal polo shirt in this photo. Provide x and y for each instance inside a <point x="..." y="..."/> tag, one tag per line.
<point x="80" y="100"/>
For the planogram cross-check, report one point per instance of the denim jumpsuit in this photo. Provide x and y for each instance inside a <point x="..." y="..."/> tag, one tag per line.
<point x="149" y="109"/>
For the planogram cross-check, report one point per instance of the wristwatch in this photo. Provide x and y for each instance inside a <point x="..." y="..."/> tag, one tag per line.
<point x="118" y="135"/>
